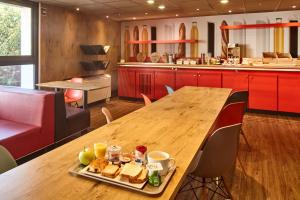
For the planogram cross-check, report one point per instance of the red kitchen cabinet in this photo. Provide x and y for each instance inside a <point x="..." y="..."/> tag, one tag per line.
<point x="235" y="80"/>
<point x="209" y="79"/>
<point x="263" y="91"/>
<point x="126" y="82"/>
<point x="145" y="83"/>
<point x="163" y="77"/>
<point x="289" y="93"/>
<point x="186" y="78"/>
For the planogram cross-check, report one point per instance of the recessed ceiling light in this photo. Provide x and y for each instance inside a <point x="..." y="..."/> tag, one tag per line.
<point x="134" y="18"/>
<point x="294" y="6"/>
<point x="161" y="7"/>
<point x="224" y="1"/>
<point x="107" y="16"/>
<point x="150" y="1"/>
<point x="77" y="9"/>
<point x="197" y="9"/>
<point x="176" y="15"/>
<point x="230" y="11"/>
<point x="146" y="13"/>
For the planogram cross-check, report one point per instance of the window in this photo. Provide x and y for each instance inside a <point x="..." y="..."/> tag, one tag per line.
<point x="18" y="43"/>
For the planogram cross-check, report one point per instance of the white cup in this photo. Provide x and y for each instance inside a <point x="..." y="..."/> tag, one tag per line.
<point x="163" y="158"/>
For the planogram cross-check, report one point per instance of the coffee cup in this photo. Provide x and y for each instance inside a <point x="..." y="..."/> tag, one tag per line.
<point x="163" y="158"/>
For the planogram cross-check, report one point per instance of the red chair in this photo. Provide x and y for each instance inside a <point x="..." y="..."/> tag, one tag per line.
<point x="72" y="96"/>
<point x="232" y="113"/>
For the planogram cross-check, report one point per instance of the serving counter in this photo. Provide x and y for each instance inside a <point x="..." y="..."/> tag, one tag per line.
<point x="271" y="87"/>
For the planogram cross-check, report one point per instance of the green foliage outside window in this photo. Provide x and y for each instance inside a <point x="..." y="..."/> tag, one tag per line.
<point x="10" y="43"/>
<point x="10" y="30"/>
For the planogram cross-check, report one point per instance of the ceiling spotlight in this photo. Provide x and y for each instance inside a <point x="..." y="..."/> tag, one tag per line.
<point x="146" y="13"/>
<point x="77" y="9"/>
<point x="224" y="1"/>
<point x="294" y="6"/>
<point x="161" y="7"/>
<point x="176" y="15"/>
<point x="197" y="9"/>
<point x="150" y="2"/>
<point x="107" y="16"/>
<point x="134" y="18"/>
<point x="230" y="11"/>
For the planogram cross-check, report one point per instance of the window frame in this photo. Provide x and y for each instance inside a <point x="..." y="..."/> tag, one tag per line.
<point x="34" y="57"/>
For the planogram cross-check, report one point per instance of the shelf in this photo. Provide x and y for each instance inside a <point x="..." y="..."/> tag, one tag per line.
<point x="94" y="65"/>
<point x="162" y="41"/>
<point x="246" y="26"/>
<point x="94" y="49"/>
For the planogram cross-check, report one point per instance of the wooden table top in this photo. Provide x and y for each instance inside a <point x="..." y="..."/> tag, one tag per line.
<point x="86" y="85"/>
<point x="177" y="124"/>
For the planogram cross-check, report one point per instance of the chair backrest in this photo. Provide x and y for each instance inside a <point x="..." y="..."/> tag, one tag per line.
<point x="238" y="96"/>
<point x="232" y="113"/>
<point x="170" y="90"/>
<point x="107" y="114"/>
<point x="146" y="99"/>
<point x="75" y="94"/>
<point x="7" y="162"/>
<point x="219" y="153"/>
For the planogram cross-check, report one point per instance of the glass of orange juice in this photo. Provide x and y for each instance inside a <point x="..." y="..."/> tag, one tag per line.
<point x="100" y="150"/>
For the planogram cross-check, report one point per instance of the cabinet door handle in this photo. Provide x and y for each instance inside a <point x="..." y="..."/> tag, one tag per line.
<point x="194" y="75"/>
<point x="199" y="75"/>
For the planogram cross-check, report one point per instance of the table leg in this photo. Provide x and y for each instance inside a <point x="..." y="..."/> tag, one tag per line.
<point x="85" y="99"/>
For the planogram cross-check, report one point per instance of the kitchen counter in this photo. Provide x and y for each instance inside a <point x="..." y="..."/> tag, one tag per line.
<point x="266" y="67"/>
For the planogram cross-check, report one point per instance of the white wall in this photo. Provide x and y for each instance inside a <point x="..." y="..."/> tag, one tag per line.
<point x="252" y="38"/>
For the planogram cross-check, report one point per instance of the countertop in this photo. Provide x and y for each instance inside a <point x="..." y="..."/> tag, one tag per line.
<point x="265" y="67"/>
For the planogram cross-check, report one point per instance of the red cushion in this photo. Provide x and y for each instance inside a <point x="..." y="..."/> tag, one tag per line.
<point x="20" y="139"/>
<point x="29" y="120"/>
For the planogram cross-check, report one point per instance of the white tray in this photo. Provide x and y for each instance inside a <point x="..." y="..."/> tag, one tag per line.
<point x="80" y="170"/>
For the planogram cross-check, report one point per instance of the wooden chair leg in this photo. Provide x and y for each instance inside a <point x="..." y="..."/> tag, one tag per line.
<point x="246" y="140"/>
<point x="242" y="167"/>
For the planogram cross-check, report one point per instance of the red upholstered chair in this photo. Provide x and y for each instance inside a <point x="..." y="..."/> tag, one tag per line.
<point x="72" y="96"/>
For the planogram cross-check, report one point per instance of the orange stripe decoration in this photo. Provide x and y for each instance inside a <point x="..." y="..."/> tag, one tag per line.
<point x="248" y="26"/>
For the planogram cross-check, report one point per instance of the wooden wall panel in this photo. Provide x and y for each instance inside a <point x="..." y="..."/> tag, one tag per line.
<point x="62" y="33"/>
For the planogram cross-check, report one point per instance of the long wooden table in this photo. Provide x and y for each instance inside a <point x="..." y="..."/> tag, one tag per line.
<point x="85" y="87"/>
<point x="177" y="124"/>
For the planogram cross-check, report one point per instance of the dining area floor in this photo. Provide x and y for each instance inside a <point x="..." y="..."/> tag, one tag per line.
<point x="271" y="164"/>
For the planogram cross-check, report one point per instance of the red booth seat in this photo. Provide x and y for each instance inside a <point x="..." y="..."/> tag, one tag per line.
<point x="26" y="120"/>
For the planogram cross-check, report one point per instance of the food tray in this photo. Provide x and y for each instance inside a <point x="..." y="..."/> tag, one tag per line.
<point x="145" y="188"/>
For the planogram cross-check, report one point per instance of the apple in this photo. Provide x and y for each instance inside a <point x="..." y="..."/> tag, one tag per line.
<point x="86" y="156"/>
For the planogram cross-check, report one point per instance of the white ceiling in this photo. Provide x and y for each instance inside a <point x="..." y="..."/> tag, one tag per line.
<point x="123" y="10"/>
